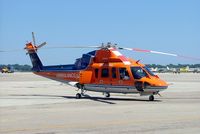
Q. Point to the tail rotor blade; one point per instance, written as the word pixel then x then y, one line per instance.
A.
pixel 33 36
pixel 41 45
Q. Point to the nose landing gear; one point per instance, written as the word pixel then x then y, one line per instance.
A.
pixel 78 96
pixel 151 98
pixel 107 95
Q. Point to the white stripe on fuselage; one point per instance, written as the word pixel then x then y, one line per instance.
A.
pixel 117 53
pixel 119 89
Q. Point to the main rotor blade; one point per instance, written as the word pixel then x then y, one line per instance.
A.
pixel 158 52
pixel 74 47
pixel 13 50
pixel 33 36
pixel 51 47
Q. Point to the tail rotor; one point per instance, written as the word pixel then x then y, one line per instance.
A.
pixel 33 47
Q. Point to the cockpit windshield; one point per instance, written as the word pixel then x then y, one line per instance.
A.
pixel 138 72
pixel 149 71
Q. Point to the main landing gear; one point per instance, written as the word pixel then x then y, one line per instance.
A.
pixel 151 98
pixel 79 95
pixel 81 87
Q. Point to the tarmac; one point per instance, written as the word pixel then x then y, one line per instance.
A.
pixel 30 104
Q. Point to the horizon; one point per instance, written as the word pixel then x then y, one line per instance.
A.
pixel 167 26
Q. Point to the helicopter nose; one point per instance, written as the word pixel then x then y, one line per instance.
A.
pixel 160 84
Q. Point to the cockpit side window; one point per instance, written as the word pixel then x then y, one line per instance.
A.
pixel 149 71
pixel 138 72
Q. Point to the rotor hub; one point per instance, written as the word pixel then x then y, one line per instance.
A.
pixel 108 46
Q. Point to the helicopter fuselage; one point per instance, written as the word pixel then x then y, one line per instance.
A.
pixel 106 70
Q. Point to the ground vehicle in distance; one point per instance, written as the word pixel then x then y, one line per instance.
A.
pixel 6 69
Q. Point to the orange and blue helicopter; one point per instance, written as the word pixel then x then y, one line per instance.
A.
pixel 103 70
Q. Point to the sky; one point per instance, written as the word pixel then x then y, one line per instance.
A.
pixel 168 25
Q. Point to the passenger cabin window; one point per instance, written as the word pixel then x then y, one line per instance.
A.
pixel 124 74
pixel 114 74
pixel 105 72
pixel 96 73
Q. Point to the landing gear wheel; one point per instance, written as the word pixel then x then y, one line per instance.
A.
pixel 78 96
pixel 151 98
pixel 107 95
